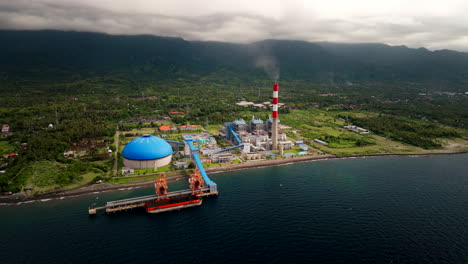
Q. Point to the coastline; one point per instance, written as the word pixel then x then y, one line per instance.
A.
pixel 98 188
pixel 273 163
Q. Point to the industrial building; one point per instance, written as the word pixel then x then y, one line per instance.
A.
pixel 253 138
pixel 303 147
pixel 256 136
pixel 205 142
pixel 147 152
pixel 320 142
pixel 256 124
pixel 357 129
pixel 225 157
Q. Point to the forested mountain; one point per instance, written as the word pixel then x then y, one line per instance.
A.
pixel 74 55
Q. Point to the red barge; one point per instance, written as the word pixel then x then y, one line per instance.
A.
pixel 181 202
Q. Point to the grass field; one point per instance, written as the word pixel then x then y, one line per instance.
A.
pixel 168 167
pixel 294 150
pixel 213 129
pixel 42 175
pixel 312 124
pixel 320 124
pixel 386 146
pixel 86 178
pixel 140 131
pixel 5 147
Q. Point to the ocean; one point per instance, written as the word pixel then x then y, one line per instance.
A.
pixel 400 209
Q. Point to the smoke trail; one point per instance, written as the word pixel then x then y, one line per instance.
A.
pixel 270 65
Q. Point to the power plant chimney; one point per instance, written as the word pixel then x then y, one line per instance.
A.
pixel 274 123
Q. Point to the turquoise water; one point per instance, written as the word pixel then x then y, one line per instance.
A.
pixel 366 210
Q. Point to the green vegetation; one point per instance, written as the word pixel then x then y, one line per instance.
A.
pixel 347 141
pixel 327 126
pixel 168 167
pixel 123 180
pixel 46 147
pixel 46 173
pixel 5 147
pixel 319 124
pixel 415 133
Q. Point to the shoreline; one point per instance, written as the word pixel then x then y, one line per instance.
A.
pixel 94 188
pixel 273 163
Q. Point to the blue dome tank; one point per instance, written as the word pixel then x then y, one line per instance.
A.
pixel 147 147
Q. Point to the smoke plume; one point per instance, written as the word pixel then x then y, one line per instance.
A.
pixel 270 65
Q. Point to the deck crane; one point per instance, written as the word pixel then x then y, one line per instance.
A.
pixel 160 185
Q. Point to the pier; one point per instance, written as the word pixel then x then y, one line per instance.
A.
pixel 142 201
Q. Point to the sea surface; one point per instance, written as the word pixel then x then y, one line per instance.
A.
pixel 363 210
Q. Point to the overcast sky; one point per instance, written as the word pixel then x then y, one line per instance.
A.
pixel 414 23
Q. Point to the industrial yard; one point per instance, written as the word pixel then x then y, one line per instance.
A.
pixel 255 140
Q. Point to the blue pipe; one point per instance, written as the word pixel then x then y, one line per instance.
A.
pixel 202 170
pixel 234 134
pixel 229 148
pixel 195 156
pixel 192 147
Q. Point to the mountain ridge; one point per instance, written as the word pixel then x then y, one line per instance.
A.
pixel 53 54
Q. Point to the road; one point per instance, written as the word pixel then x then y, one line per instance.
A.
pixel 116 152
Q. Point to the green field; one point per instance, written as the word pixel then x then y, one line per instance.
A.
pixel 168 167
pixel 140 131
pixel 320 124
pixel 207 165
pixel 324 125
pixel 5 147
pixel 123 180
pixel 46 176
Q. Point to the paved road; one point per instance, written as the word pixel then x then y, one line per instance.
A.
pixel 116 152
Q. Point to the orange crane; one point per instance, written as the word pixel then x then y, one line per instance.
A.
pixel 196 182
pixel 160 185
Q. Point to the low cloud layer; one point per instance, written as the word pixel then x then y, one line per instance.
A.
pixel 417 23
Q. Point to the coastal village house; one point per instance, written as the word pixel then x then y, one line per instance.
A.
pixel 188 127
pixel 164 128
pixel 6 131
pixel 167 128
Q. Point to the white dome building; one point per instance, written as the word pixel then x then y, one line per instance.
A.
pixel 147 152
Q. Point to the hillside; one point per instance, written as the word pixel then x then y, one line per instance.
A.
pixel 59 55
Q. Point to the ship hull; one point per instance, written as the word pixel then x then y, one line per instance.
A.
pixel 155 208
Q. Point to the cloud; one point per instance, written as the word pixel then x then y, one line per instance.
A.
pixel 432 24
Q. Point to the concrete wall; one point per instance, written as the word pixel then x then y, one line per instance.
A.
pixel 147 164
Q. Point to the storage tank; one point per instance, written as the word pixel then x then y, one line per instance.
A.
pixel 147 152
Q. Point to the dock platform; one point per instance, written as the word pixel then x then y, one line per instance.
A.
pixel 142 201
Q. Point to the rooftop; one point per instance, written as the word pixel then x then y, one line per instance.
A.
pixel 164 128
pixel 147 147
pixel 239 122
pixel 256 121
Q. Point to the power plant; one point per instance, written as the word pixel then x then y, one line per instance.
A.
pixel 256 136
pixel 254 139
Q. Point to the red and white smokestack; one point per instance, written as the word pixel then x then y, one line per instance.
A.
pixel 275 100
pixel 274 124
